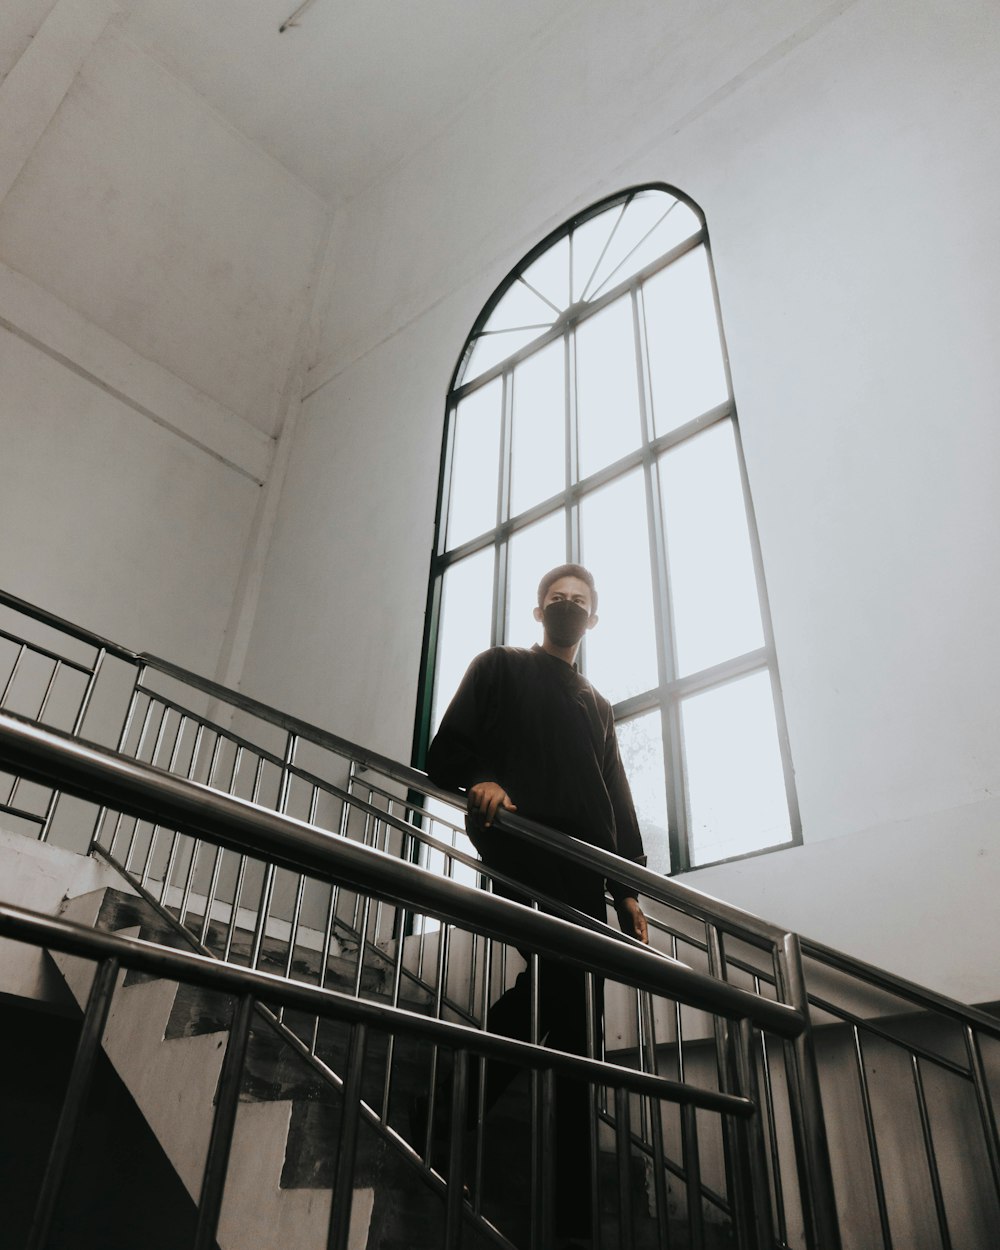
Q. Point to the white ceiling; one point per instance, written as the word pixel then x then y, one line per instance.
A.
pixel 350 90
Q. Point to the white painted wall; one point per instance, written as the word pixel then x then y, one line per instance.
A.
pixel 155 271
pixel 845 157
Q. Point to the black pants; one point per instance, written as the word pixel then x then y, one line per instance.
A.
pixel 562 1023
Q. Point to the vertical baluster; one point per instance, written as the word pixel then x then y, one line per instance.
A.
pixel 223 1123
pixel 175 839
pixel 213 883
pixel 196 843
pixel 873 1151
pixel 931 1153
pixel 343 1185
pixel 293 934
pixel 772 1133
pixel 241 867
pixel 656 1126
pixel 13 674
pixel 267 887
pixel 151 849
pixel 3 700
pixel 331 916
pixel 88 692
pixel 477 1187
pixel 594 1051
pixel 690 1150
pixel 390 1051
pixel 441 963
pixel 692 1175
pixel 819 1203
pixel 43 707
pixel 122 741
pixel 386 832
pixel 737 1160
pixel 362 939
pixel 623 1155
pixel 50 803
pixel 752 1134
pixel 367 839
pixel 88 1047
pixel 56 666
pixel 456 1142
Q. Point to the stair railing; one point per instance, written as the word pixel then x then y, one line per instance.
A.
pixel 245 908
pixel 42 756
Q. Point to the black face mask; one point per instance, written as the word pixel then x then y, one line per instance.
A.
pixel 565 622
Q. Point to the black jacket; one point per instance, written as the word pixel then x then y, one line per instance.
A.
pixel 530 722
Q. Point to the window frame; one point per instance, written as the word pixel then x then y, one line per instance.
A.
pixel 670 689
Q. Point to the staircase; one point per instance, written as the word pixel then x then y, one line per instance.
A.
pixel 335 890
pixel 284 1147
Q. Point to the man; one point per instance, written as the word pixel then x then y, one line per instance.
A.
pixel 527 733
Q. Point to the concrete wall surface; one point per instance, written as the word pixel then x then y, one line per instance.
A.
pixel 155 271
pixel 845 159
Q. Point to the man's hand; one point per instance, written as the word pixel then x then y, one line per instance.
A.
pixel 486 798
pixel 631 919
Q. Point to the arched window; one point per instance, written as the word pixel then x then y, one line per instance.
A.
pixel 591 418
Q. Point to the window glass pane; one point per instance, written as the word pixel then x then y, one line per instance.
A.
pixel 549 275
pixel 491 348
pixel 520 307
pixel 714 589
pixel 735 788
pixel 621 649
pixel 640 742
pixel 475 475
pixel 589 241
pixel 652 225
pixel 464 629
pixel 538 467
pixel 607 389
pixel 685 354
pixel 531 552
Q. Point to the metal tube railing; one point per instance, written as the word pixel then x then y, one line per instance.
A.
pixel 94 773
pixel 305 850
pixel 57 934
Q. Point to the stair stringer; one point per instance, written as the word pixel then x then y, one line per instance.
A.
pixel 174 1081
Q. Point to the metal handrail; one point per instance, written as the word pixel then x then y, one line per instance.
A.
pixel 95 773
pixel 55 933
pixel 686 898
pixel 702 906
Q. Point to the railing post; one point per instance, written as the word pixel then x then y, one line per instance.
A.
pixel 735 1142
pixel 812 1151
pixel 220 1143
pixel 88 1048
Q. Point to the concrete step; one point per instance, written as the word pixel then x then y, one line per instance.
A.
pixel 167 1042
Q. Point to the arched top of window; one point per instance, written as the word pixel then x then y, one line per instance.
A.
pixel 577 267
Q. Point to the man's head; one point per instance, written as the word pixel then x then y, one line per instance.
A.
pixel 562 571
pixel 567 604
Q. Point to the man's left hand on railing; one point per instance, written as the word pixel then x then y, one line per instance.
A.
pixel 632 920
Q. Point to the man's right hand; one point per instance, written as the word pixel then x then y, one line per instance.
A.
pixel 486 798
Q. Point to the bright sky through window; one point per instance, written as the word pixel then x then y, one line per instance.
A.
pixel 591 419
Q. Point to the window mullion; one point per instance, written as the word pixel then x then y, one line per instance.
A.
pixel 499 623
pixel 666 660
pixel 572 448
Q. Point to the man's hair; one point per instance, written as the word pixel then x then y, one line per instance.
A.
pixel 568 570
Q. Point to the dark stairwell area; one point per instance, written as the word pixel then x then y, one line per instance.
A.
pixel 121 1192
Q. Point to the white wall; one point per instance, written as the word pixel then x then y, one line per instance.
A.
pixel 155 271
pixel 845 157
